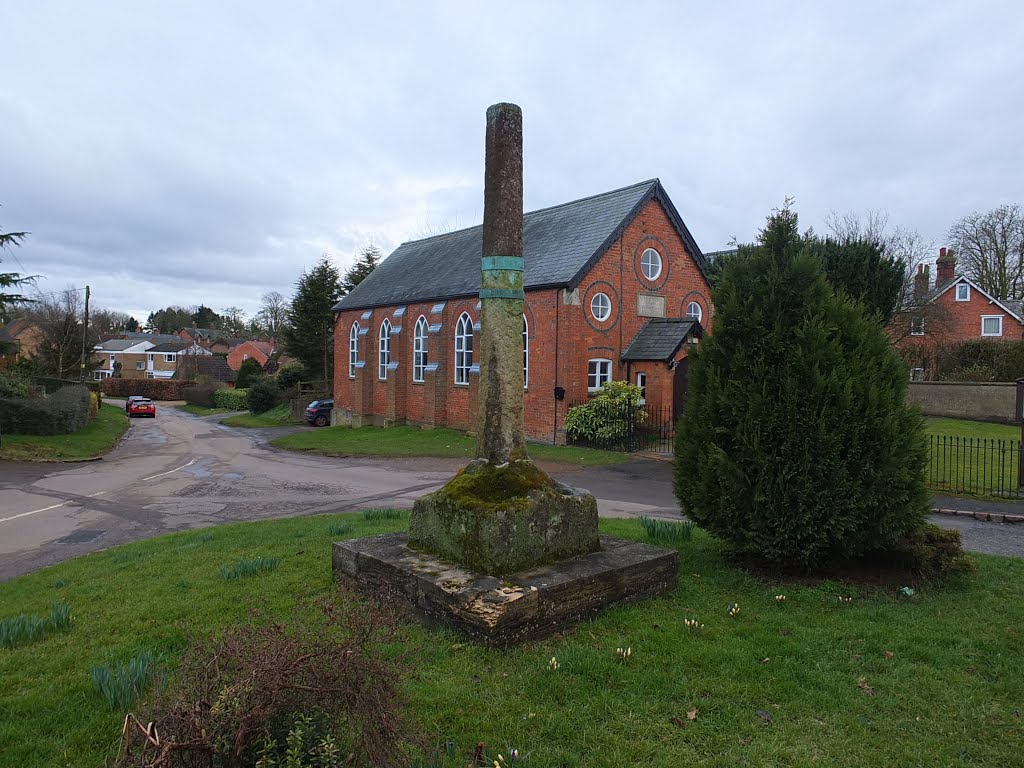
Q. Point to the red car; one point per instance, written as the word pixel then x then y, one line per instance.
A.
pixel 141 407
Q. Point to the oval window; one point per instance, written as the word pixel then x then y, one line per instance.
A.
pixel 601 307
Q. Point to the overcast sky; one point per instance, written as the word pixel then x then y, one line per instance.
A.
pixel 208 152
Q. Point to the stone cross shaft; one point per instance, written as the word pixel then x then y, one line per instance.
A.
pixel 501 433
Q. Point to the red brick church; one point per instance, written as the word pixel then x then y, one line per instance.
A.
pixel 615 290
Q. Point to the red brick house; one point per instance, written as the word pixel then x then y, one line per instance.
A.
pixel 258 350
pixel 615 289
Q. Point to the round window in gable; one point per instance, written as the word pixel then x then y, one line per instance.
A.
pixel 601 307
pixel 650 264
pixel 694 312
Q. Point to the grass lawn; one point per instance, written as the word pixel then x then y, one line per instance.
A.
pixel 201 410
pixel 932 679
pixel 413 441
pixel 94 439
pixel 275 417
pixel 974 458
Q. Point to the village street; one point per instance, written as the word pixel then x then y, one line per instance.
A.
pixel 179 471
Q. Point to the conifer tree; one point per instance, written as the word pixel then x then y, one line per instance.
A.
pixel 796 443
pixel 309 335
pixel 368 260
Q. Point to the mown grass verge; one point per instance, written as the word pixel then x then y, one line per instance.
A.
pixel 278 416
pixel 95 439
pixel 974 459
pixel 413 441
pixel 882 679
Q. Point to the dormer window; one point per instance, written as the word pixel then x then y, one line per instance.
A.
pixel 963 292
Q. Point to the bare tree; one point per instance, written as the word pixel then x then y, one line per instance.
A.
pixel 273 313
pixel 990 249
pixel 59 317
pixel 233 319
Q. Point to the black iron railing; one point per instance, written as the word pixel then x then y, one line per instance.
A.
pixel 975 466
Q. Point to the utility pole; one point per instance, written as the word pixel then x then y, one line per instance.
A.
pixel 85 337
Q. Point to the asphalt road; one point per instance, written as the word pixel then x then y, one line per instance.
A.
pixel 178 471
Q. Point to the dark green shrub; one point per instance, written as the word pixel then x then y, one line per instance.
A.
pixel 263 395
pixel 981 360
pixel 63 412
pixel 933 553
pixel 202 393
pixel 232 399
pixel 248 373
pixel 290 375
pixel 154 389
pixel 796 444
pixel 13 384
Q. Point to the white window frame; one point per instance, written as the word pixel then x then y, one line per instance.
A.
pixel 917 326
pixel 419 350
pixel 353 349
pixel 113 359
pixel 606 305
pixel 140 365
pixel 646 263
pixel 526 353
pixel 691 315
pixel 463 348
pixel 967 292
pixel 992 317
pixel 641 381
pixel 384 350
pixel 169 358
pixel 599 371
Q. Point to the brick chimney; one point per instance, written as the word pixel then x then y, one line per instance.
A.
pixel 921 281
pixel 945 266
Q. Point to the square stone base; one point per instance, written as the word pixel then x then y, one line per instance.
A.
pixel 522 606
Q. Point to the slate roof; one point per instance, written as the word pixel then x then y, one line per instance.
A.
pixel 156 338
pixel 118 345
pixel 560 244
pixel 10 332
pixel 171 346
pixel 661 338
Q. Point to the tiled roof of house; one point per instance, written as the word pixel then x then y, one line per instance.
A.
pixel 559 245
pixel 172 346
pixel 263 346
pixel 156 338
pixel 10 332
pixel 214 366
pixel 660 339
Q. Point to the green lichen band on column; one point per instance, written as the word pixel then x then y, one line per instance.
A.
pixel 501 293
pixel 501 263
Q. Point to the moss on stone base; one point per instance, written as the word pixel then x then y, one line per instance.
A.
pixel 500 519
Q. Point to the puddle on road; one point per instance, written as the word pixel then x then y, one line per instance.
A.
pixel 82 536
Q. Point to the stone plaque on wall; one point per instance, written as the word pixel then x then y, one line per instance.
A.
pixel 650 306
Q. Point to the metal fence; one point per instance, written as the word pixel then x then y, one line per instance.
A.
pixel 975 466
pixel 632 428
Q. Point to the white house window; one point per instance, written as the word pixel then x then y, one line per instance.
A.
pixel 601 307
pixel 112 359
pixel 140 366
pixel 694 312
pixel 419 349
pixel 169 358
pixel 963 292
pixel 650 264
pixel 384 351
pixel 244 358
pixel 463 349
pixel 917 326
pixel 641 381
pixel 353 350
pixel 526 353
pixel 599 371
pixel 992 325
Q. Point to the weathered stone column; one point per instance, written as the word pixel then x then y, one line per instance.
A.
pixel 501 438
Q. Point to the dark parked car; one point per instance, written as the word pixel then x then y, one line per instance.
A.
pixel 318 412
pixel 140 406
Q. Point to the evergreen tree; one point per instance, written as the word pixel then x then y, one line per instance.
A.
pixel 9 280
pixel 309 333
pixel 865 272
pixel 249 372
pixel 796 443
pixel 368 260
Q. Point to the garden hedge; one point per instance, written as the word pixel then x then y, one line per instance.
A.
pixel 154 389
pixel 65 411
pixel 233 399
